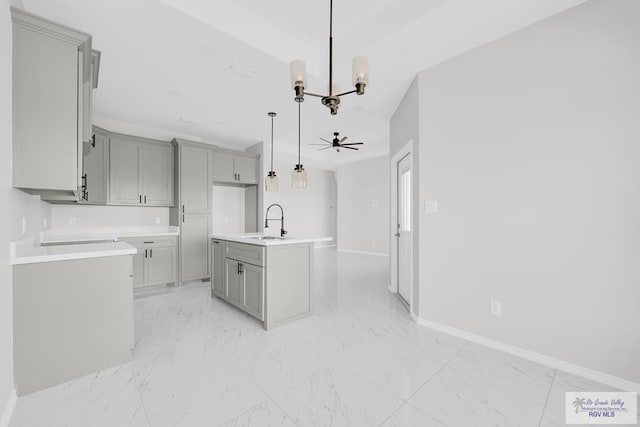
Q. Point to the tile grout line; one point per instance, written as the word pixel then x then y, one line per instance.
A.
pixel 544 409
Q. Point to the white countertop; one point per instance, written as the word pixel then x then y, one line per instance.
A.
pixel 25 252
pixel 248 238
pixel 102 234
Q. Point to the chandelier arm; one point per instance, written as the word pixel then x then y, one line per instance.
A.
pixel 314 94
pixel 331 48
pixel 347 93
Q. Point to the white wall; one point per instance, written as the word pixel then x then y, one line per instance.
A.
pixel 363 206
pixel 228 209
pixel 308 212
pixel 14 206
pixel 531 146
pixel 98 216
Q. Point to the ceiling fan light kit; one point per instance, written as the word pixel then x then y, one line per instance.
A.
pixel 360 76
pixel 271 181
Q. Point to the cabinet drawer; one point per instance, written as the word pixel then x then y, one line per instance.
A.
pixel 150 242
pixel 245 253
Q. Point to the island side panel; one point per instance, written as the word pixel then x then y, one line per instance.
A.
pixel 71 318
pixel 289 284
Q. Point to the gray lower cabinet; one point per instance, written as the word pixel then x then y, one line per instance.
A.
pixel 156 262
pixel 217 268
pixel 194 247
pixel 244 286
pixel 66 326
pixel 140 172
pixel 273 283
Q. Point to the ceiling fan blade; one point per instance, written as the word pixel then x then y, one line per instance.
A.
pixel 325 140
pixel 324 145
pixel 353 143
pixel 350 148
pixel 325 148
pixel 343 139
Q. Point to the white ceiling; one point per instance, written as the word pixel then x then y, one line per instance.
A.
pixel 165 63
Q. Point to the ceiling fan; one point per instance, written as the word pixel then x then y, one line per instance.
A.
pixel 338 143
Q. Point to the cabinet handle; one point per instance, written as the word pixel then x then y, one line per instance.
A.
pixel 216 242
pixel 240 268
pixel 150 253
pixel 147 243
pixel 182 208
pixel 145 253
pixel 93 140
pixel 145 198
pixel 182 217
pixel 140 199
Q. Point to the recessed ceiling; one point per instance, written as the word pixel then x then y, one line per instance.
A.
pixel 211 70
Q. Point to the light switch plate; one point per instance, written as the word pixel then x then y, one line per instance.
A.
pixel 157 220
pixel 496 307
pixel 72 220
pixel 430 206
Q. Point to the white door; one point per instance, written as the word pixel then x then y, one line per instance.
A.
pixel 404 228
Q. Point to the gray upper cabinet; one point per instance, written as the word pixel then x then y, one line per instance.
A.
pixel 124 172
pixel 94 177
pixel 195 182
pixel 140 172
pixel 234 168
pixel 157 174
pixel 51 119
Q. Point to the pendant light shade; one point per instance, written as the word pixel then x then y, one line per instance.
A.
pixel 299 175
pixel 271 183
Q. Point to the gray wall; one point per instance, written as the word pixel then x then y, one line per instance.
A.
pixel 14 205
pixel 363 206
pixel 531 145
pixel 405 127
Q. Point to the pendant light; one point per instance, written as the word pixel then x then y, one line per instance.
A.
pixel 271 180
pixel 299 175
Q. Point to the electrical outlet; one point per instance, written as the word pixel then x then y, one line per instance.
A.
pixel 496 307
pixel 72 220
pixel 24 225
pixel 44 224
pixel 431 206
pixel 157 220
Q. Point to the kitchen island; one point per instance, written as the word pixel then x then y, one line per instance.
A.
pixel 269 277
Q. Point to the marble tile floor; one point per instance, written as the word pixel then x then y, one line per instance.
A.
pixel 358 361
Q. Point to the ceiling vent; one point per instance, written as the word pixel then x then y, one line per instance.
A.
pixel 241 71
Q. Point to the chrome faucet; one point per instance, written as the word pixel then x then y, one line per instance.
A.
pixel 267 219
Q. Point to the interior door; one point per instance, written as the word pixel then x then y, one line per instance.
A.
pixel 403 234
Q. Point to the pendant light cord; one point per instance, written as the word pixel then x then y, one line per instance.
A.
pixel 331 48
pixel 299 132
pixel 271 143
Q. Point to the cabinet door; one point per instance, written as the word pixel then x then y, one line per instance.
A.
pixel 233 285
pixel 246 170
pixel 138 269
pixel 45 110
pixel 194 247
pixel 223 169
pixel 252 278
pixel 124 172
pixel 195 185
pixel 157 174
pixel 161 265
pixel 95 170
pixel 217 268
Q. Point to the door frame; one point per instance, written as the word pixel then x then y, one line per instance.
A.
pixel 406 150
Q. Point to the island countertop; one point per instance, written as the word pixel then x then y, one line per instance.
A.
pixel 28 253
pixel 261 239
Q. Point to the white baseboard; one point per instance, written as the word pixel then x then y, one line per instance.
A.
pixel 325 246
pixel 8 409
pixel 362 252
pixel 552 362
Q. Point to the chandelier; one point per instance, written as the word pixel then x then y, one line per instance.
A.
pixel 360 75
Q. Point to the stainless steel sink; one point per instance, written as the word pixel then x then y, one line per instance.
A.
pixel 267 238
